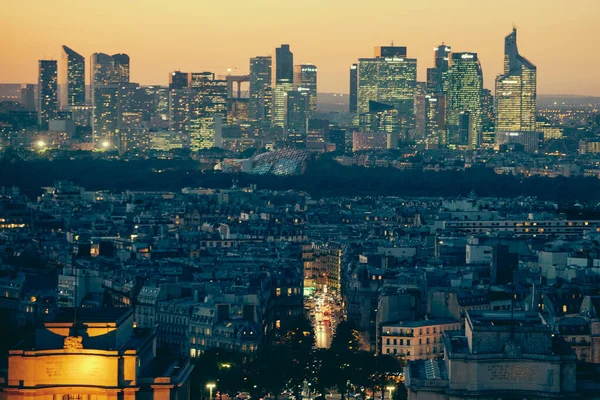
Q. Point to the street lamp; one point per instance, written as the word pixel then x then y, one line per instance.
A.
pixel 210 387
pixel 390 389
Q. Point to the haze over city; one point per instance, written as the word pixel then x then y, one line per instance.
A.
pixel 163 36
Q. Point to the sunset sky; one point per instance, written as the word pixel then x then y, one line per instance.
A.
pixel 160 36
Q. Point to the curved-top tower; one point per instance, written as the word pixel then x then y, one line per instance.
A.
pixel 516 91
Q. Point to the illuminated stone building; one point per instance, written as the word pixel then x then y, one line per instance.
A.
pixel 415 340
pixel 94 354
pixel 499 355
pixel 463 101
pixel 516 91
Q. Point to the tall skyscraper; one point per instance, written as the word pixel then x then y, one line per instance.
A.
pixel 260 83
pixel 109 78
pixel 298 111
pixel 488 117
pixel 280 94
pixel 516 91
pixel 305 79
pixel 72 79
pixel 121 67
pixel 283 65
pixel 47 92
pixel 436 76
pixel 102 70
pixel 353 88
pixel 465 82
pixel 390 79
pixel 105 115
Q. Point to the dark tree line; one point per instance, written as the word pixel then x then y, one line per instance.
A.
pixel 323 177
pixel 291 364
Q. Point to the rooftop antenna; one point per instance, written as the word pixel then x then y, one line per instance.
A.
pixel 392 42
pixel 514 26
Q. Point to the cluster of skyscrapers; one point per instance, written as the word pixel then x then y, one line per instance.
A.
pixel 196 107
pixel 452 108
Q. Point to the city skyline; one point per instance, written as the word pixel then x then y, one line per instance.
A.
pixel 544 27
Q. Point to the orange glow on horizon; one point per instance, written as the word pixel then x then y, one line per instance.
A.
pixel 189 35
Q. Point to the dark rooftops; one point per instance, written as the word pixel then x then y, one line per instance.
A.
pixel 92 315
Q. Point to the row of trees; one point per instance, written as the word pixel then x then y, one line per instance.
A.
pixel 291 365
pixel 323 177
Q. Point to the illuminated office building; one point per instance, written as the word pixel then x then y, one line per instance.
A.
pixel 196 80
pixel 488 117
pixel 212 95
pixel 516 91
pixel 353 88
pixel 381 117
pixel 260 83
pixel 305 79
pixel 435 120
pixel 437 76
pixel 180 109
pixel 47 92
pixel 105 116
pixel 280 93
pixel 121 67
pixel 107 73
pixel 391 80
pixel 465 82
pixel 205 132
pixel 283 65
pixel 102 71
pixel 298 111
pixel 72 79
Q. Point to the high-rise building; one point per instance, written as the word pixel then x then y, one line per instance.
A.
pixel 436 76
pixel 260 83
pixel 488 117
pixel 516 91
pixel 353 88
pixel 72 79
pixel 381 117
pixel 283 64
pixel 197 79
pixel 178 80
pixel 391 80
pixel 47 92
pixel 298 111
pixel 305 79
pixel 121 67
pixel 102 70
pixel 280 93
pixel 28 96
pixel 465 82
pixel 180 109
pixel 105 117
pixel 205 132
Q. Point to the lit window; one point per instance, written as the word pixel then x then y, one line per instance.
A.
pixel 278 292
